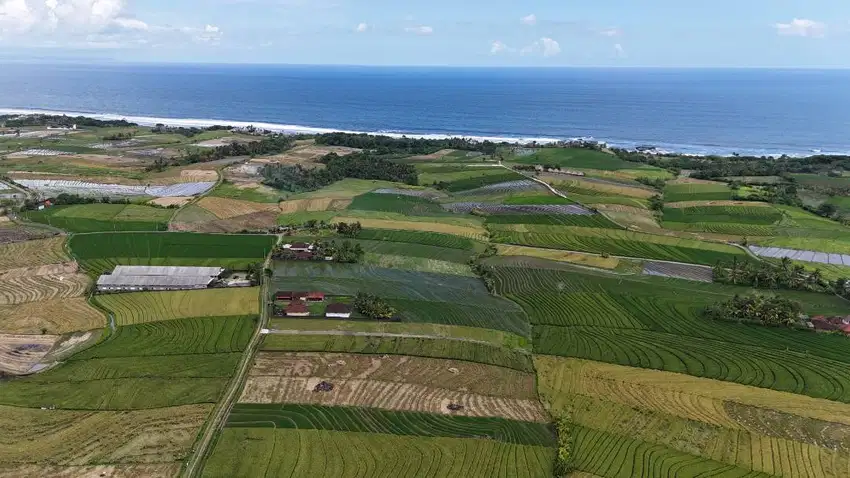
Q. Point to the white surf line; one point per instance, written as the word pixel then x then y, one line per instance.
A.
pixel 379 334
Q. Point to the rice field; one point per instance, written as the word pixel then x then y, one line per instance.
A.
pixel 419 264
pixel 396 203
pixel 313 205
pixel 554 218
pixel 418 237
pixel 507 187
pixel 33 253
pixel 55 316
pixel 481 178
pixel 508 319
pixel 103 217
pixel 476 233
pixel 22 290
pixel 697 191
pixel 224 208
pixel 577 158
pixel 353 419
pixel 595 187
pixel 616 243
pixel 142 307
pixel 578 258
pixel 431 348
pixel 257 452
pixel 413 250
pixel 77 438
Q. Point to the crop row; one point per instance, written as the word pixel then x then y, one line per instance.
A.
pixel 21 290
pixel 697 192
pixel 398 203
pixel 371 420
pixel 370 455
pixel 200 335
pixel 141 307
pixel 475 183
pixel 749 365
pixel 415 250
pixel 32 253
pixel 575 220
pixel 170 245
pixel 615 456
pixel 506 187
pixel 509 319
pixel 418 237
pixel 417 347
pixel 104 217
pixel 757 215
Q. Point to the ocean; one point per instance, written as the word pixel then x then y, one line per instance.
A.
pixel 696 111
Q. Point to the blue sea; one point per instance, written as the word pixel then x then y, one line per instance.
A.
pixel 699 111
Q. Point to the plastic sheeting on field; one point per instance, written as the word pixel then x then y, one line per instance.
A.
pixel 83 188
pixel 798 255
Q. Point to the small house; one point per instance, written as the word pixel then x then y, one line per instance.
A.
pixel 315 297
pixel 339 311
pixel 283 295
pixel 297 309
pixel 303 256
pixel 300 247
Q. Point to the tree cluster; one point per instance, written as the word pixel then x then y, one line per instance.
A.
pixel 268 145
pixel 388 145
pixel 16 121
pixel 767 276
pixel 373 307
pixel 361 166
pixel 65 199
pixel 160 128
pixel 773 310
pixel 655 183
pixel 343 252
pixel 348 230
pixel 119 136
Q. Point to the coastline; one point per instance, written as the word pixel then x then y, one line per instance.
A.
pixel 661 147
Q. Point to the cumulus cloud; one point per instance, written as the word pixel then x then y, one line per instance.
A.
pixel 801 27
pixel 131 24
pixel 499 47
pixel 24 16
pixel 420 30
pixel 610 32
pixel 621 52
pixel 361 28
pixel 529 20
pixel 550 47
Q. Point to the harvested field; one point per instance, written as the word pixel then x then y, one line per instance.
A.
pixel 198 175
pixel 64 437
pixel 388 396
pixel 312 205
pixel 17 233
pixel 448 374
pixel 679 271
pixel 229 208
pixel 259 221
pixel 32 253
pixel 374 420
pixel 167 470
pixel 56 316
pixel 433 156
pixel 21 290
pixel 142 307
pixel 287 452
pixel 590 260
pixel 178 201
pixel 20 353
pixel 60 269
pixel 477 233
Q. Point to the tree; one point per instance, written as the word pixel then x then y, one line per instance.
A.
pixel 373 307
pixel 656 203
pixel 827 210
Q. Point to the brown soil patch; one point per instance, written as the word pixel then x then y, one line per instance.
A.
pixel 61 269
pixel 306 155
pixel 21 290
pixel 434 156
pixel 311 205
pixel 199 175
pixel 16 233
pixel 684 204
pixel 98 471
pixel 214 143
pixel 250 222
pixel 624 209
pixel 56 316
pixel 388 396
pixel 465 231
pixel 448 374
pixel 230 208
pixel 178 201
pixel 20 353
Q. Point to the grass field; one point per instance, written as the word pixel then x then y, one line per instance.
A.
pixel 773 432
pixel 102 252
pixel 32 253
pixel 141 307
pixel 401 204
pixel 103 217
pixel 617 243
pixel 352 419
pixel 433 348
pixel 77 438
pixel 259 452
pixel 260 194
pixel 698 191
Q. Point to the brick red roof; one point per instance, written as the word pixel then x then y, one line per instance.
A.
pixel 297 308
pixel 315 295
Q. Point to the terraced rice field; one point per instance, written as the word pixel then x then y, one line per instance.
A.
pixel 577 158
pixel 142 307
pixel 468 231
pixel 350 419
pixel 507 187
pixel 772 432
pixel 508 319
pixel 616 243
pixel 696 191
pixel 77 438
pixel 227 208
pixel 56 316
pixel 32 253
pixel 413 251
pixel 103 217
pixel 418 237
pixel 452 375
pixel 201 335
pixel 400 204
pixel 482 178
pixel 21 290
pixel 596 187
pixel 516 210
pixel 102 252
pixel 678 271
pixel 417 347
pixel 251 452
pixel 419 264
pixel 418 193
pixel 577 258
pixel 556 219
pixel 738 220
pixel 93 471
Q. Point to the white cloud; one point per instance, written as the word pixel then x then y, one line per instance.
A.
pixel 498 47
pixel 621 52
pixel 420 30
pixel 361 28
pixel 46 16
pixel 550 47
pixel 801 27
pixel 529 19
pixel 210 34
pixel 611 32
pixel 131 24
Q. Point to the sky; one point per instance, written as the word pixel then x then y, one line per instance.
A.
pixel 607 33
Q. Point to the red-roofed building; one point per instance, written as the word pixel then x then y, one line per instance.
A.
pixel 297 309
pixel 300 247
pixel 315 297
pixel 283 295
